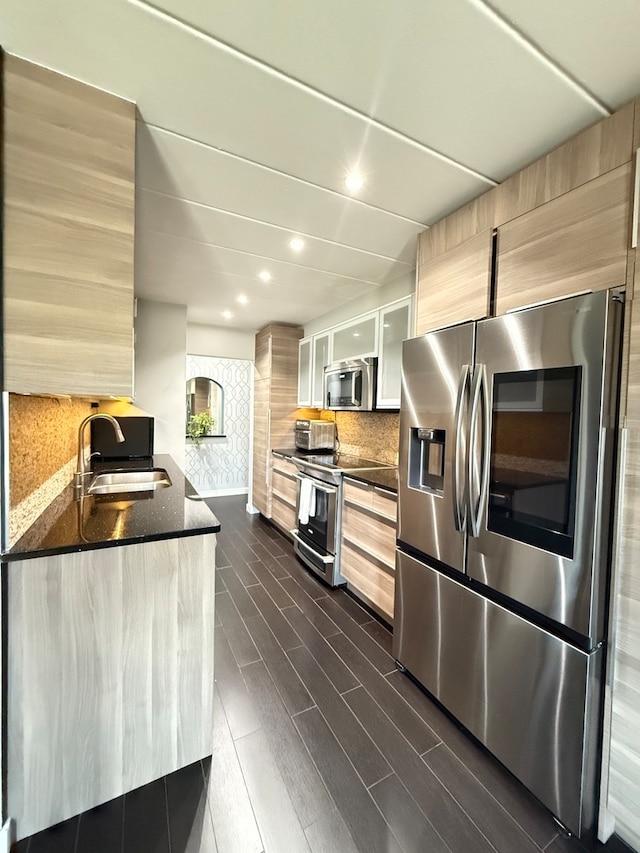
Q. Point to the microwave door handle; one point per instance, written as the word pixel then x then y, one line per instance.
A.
pixel 459 503
pixel 477 491
pixel 354 402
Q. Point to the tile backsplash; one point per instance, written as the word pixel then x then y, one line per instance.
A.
pixel 43 435
pixel 372 435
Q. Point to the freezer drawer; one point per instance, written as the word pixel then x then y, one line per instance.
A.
pixel 531 698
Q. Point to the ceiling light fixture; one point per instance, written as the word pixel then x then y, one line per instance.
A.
pixel 264 275
pixel 296 244
pixel 242 299
pixel 227 315
pixel 356 334
pixel 354 182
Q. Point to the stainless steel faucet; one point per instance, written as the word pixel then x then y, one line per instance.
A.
pixel 82 472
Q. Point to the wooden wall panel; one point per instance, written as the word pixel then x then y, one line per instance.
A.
pixel 455 287
pixel 110 680
pixel 575 243
pixel 68 235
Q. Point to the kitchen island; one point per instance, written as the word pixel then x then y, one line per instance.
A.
pixel 110 617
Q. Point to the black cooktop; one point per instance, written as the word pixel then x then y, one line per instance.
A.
pixel 343 461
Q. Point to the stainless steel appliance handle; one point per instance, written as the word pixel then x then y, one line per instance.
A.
pixel 328 490
pixel 459 507
pixel 322 557
pixel 354 402
pixel 477 492
pixel 313 466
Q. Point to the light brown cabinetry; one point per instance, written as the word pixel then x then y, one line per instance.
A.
pixel 576 242
pixel 68 154
pixel 367 555
pixel 455 287
pixel 275 395
pixel 110 673
pixel 284 489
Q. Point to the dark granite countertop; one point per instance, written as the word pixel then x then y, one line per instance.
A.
pixel 105 521
pixel 385 476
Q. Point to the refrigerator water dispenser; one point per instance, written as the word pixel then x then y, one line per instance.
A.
pixel 426 459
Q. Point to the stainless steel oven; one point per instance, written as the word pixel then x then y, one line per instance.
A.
pixel 317 534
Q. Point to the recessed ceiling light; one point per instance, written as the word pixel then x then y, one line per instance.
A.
pixel 296 244
pixel 242 299
pixel 354 182
pixel 264 275
pixel 227 315
pixel 386 325
pixel 356 334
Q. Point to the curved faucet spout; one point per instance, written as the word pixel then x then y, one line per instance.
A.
pixel 82 465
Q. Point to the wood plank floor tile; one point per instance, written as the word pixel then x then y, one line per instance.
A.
pixel 277 821
pixel 329 834
pixel 309 606
pixel 280 596
pixel 449 820
pixel 293 692
pixel 307 791
pixel 101 829
pixel 233 819
pixel 281 628
pixel 412 829
pixel 374 653
pixel 339 675
pixel 232 689
pixel 485 811
pixel 309 582
pixel 350 606
pixel 60 838
pixel 355 741
pixel 146 820
pixel 380 634
pixel 190 823
pixel 242 646
pixel 413 728
pixel 238 592
pixel 370 832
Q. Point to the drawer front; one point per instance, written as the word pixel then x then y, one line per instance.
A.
pixel 284 487
pixel 376 585
pixel 283 515
pixel 284 466
pixel 358 493
pixel 372 533
pixel 385 503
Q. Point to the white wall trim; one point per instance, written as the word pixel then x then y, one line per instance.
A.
pixel 218 493
pixel 7 836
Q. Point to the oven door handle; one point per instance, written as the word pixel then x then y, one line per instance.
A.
pixel 322 557
pixel 328 490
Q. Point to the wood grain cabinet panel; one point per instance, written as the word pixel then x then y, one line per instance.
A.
pixel 283 514
pixel 575 243
pixel 110 673
pixel 368 544
pixel 455 287
pixel 69 152
pixel 275 396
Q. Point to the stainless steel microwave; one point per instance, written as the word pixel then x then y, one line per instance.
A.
pixel 350 386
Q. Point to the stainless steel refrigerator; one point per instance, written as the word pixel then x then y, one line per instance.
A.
pixel 507 442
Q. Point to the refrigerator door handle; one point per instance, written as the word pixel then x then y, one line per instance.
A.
pixel 477 492
pixel 459 498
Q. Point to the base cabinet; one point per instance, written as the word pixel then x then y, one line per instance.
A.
pixel 110 673
pixel 284 489
pixel 368 544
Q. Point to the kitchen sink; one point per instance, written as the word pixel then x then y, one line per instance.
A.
pixel 131 480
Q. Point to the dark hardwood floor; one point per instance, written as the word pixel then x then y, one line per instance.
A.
pixel 319 744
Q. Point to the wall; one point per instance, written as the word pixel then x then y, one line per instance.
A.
pixel 43 446
pixel 379 296
pixel 221 465
pixel 217 341
pixel 161 342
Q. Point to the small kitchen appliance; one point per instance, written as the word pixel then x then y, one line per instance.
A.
pixel 350 386
pixel 315 434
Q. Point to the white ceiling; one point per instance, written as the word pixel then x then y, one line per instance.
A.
pixel 252 111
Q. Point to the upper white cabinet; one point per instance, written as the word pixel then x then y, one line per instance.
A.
pixel 395 327
pixel 69 186
pixel 305 363
pixel 321 358
pixel 356 339
pixel 377 334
